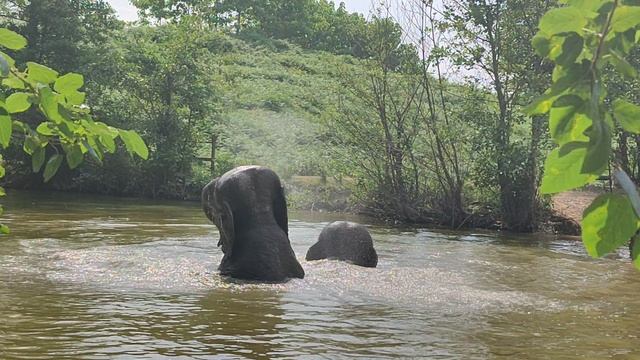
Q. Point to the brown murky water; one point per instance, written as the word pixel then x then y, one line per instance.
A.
pixel 100 278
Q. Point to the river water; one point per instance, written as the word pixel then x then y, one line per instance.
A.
pixel 103 278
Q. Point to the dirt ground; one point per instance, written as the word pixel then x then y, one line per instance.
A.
pixel 571 204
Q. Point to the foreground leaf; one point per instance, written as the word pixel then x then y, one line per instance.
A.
pixel 18 102
pixel 628 115
pixel 635 252
pixel 74 156
pixel 11 39
pixel 134 143
pixel 6 129
pixel 608 223
pixel 52 166
pixel 568 121
pixel 563 169
pixel 69 83
pixel 625 18
pixel 49 105
pixel 40 73
pixel 37 159
pixel 599 151
pixel 562 20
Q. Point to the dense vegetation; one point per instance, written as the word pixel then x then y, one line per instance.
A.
pixel 419 113
pixel 58 127
pixel 581 113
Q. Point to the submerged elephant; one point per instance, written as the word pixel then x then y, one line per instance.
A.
pixel 248 207
pixel 347 241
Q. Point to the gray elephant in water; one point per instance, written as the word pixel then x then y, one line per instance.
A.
pixel 347 241
pixel 248 207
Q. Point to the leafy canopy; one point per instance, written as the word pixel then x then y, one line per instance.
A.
pixel 67 132
pixel 584 38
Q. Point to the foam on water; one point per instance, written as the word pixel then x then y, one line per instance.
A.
pixel 189 265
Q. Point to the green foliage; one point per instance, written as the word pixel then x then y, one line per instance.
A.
pixel 608 223
pixel 314 24
pixel 492 38
pixel 66 124
pixel 628 115
pixel 12 40
pixel 594 35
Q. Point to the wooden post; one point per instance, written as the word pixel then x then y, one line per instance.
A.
pixel 214 144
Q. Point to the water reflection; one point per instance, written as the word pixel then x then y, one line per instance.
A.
pixel 243 323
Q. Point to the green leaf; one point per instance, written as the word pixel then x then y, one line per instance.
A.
pixel 541 44
pixel 52 166
pixel 8 58
pixel 108 143
pixel 46 129
pixel 567 121
pixel 562 20
pixel 134 143
pixel 563 169
pixel 541 105
pixel 622 65
pixel 37 159
pixel 18 102
pixel 74 156
pixel 92 146
pixel 13 82
pixel 6 129
pixel 568 76
pixel 599 150
pixel 627 115
pixel 40 73
pixel 11 39
pixel 76 98
pixel 590 5
pixel 635 252
pixel 4 229
pixel 31 145
pixel 625 18
pixel 571 49
pixel 608 223
pixel 49 105
pixel 69 83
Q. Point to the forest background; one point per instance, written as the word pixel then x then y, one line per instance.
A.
pixel 413 114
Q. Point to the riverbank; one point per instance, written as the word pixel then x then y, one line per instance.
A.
pixel 312 193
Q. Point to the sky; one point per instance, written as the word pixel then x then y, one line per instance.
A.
pixel 127 12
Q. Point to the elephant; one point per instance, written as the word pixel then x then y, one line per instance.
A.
pixel 347 241
pixel 248 207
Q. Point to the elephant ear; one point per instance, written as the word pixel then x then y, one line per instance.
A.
pixel 227 229
pixel 280 210
pixel 207 199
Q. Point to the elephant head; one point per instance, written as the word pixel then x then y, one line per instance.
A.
pixel 346 241
pixel 219 213
pixel 248 207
